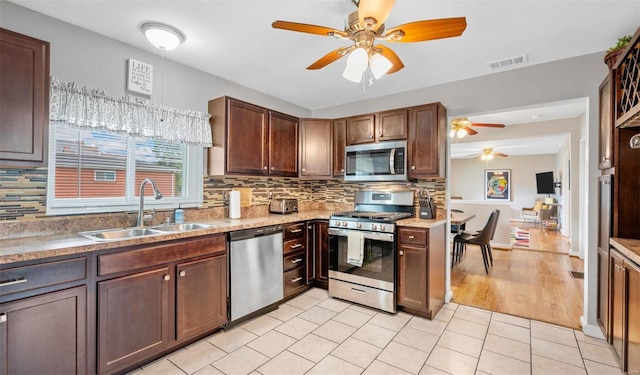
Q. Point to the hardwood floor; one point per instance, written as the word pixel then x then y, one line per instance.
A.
pixel 544 239
pixel 534 283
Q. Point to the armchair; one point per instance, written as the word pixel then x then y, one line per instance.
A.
pixel 531 213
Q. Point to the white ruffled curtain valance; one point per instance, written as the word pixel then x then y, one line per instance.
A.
pixel 82 108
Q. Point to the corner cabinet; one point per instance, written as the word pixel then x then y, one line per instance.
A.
pixel 153 298
pixel 24 100
pixel 318 253
pixel 421 270
pixel 251 140
pixel 427 125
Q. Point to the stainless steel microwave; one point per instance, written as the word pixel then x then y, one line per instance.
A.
pixel 382 161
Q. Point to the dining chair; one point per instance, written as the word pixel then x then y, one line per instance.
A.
pixel 482 238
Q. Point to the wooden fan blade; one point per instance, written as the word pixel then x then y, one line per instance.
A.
pixel 428 30
pixel 470 131
pixel 486 125
pixel 500 154
pixel 306 28
pixel 329 58
pixel 392 57
pixel 376 9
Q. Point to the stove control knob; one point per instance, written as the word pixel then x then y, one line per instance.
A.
pixel 344 223
pixel 358 225
pixel 382 227
pixel 374 226
pixel 337 223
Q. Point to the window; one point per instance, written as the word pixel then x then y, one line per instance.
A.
pixel 95 171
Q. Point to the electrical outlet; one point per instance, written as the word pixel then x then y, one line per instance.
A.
pixel 270 195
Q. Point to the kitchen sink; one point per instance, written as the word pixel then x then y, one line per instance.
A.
pixel 181 227
pixel 119 234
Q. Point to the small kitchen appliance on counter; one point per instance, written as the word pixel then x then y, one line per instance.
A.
pixel 283 206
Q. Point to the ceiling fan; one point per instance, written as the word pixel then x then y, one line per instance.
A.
pixel 488 154
pixel 364 27
pixel 462 126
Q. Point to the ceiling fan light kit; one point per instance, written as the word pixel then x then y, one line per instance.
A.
pixel 366 25
pixel 462 127
pixel 161 36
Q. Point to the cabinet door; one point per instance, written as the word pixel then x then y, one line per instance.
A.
pixel 283 145
pixel 310 255
pixel 412 277
pixel 632 339
pixel 605 150
pixel 339 143
pixel 24 100
pixel 315 148
pixel 247 147
pixel 616 292
pixel 201 296
pixel 360 129
pixel 133 318
pixel 426 141
pixel 45 334
pixel 391 125
pixel 603 292
pixel 322 254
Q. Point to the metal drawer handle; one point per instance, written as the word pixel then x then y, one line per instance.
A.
pixel 296 246
pixel 296 280
pixel 401 252
pixel 3 318
pixel 183 273
pixel 359 291
pixel 295 230
pixel 297 260
pixel 13 282
pixel 411 237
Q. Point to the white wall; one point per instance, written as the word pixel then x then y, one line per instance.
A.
pixel 467 178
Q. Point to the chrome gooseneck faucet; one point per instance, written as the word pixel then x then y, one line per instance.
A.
pixel 157 193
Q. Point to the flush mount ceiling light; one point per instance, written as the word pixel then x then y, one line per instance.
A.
pixel 162 36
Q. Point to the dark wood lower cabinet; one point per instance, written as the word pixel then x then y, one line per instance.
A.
pixel 133 318
pixel 318 253
pixel 632 338
pixel 603 292
pixel 45 334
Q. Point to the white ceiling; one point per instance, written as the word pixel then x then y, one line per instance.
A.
pixel 541 145
pixel 233 39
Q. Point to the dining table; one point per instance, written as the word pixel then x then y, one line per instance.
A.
pixel 459 218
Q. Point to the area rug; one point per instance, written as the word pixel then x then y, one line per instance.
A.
pixel 520 237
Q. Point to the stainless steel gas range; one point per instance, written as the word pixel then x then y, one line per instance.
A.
pixel 362 248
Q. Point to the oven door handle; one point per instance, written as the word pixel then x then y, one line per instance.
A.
pixel 386 237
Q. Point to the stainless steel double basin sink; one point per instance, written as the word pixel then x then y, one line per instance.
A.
pixel 138 232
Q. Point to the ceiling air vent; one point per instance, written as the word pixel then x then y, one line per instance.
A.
pixel 508 62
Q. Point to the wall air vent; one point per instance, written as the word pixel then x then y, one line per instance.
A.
pixel 508 62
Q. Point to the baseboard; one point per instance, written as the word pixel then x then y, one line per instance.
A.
pixel 573 253
pixel 592 330
pixel 448 297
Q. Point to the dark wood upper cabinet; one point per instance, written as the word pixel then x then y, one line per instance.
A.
pixel 24 100
pixel 383 126
pixel 283 145
pixel 339 143
pixel 315 148
pixel 605 149
pixel 426 141
pixel 251 140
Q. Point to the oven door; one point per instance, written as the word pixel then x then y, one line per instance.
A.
pixel 378 261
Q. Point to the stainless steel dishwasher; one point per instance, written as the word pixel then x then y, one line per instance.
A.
pixel 255 262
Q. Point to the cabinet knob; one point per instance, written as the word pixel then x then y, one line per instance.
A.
pixel 304 169
pixel 413 167
pixel 342 170
pixel 3 318
pixel 183 273
pixel 401 252
pixel 272 168
pixel 265 168
pixel 167 277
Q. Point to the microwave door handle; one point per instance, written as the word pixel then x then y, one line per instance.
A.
pixel 392 162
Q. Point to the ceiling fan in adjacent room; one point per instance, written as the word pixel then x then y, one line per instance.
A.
pixel 461 127
pixel 488 153
pixel 364 27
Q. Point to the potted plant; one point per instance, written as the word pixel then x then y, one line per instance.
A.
pixel 613 53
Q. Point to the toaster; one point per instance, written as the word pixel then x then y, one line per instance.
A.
pixel 283 206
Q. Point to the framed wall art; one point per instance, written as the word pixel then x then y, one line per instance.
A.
pixel 497 184
pixel 139 77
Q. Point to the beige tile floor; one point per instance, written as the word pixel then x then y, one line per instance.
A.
pixel 315 334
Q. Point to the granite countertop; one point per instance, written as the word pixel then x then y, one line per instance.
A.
pixel 52 245
pixel 628 247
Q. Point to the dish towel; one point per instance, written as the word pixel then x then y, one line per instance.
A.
pixel 355 248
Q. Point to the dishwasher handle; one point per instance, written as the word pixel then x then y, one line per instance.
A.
pixel 254 232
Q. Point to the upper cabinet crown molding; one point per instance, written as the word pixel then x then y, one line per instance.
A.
pixel 24 100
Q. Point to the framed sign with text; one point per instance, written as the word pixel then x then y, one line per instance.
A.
pixel 497 184
pixel 139 77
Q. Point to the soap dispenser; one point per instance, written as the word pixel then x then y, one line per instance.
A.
pixel 178 215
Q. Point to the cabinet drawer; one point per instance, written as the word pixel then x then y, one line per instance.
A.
pixel 293 245
pixel 412 236
pixel 294 231
pixel 20 279
pixel 293 280
pixel 294 261
pixel 160 254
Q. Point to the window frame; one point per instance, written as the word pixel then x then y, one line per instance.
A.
pixel 192 190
